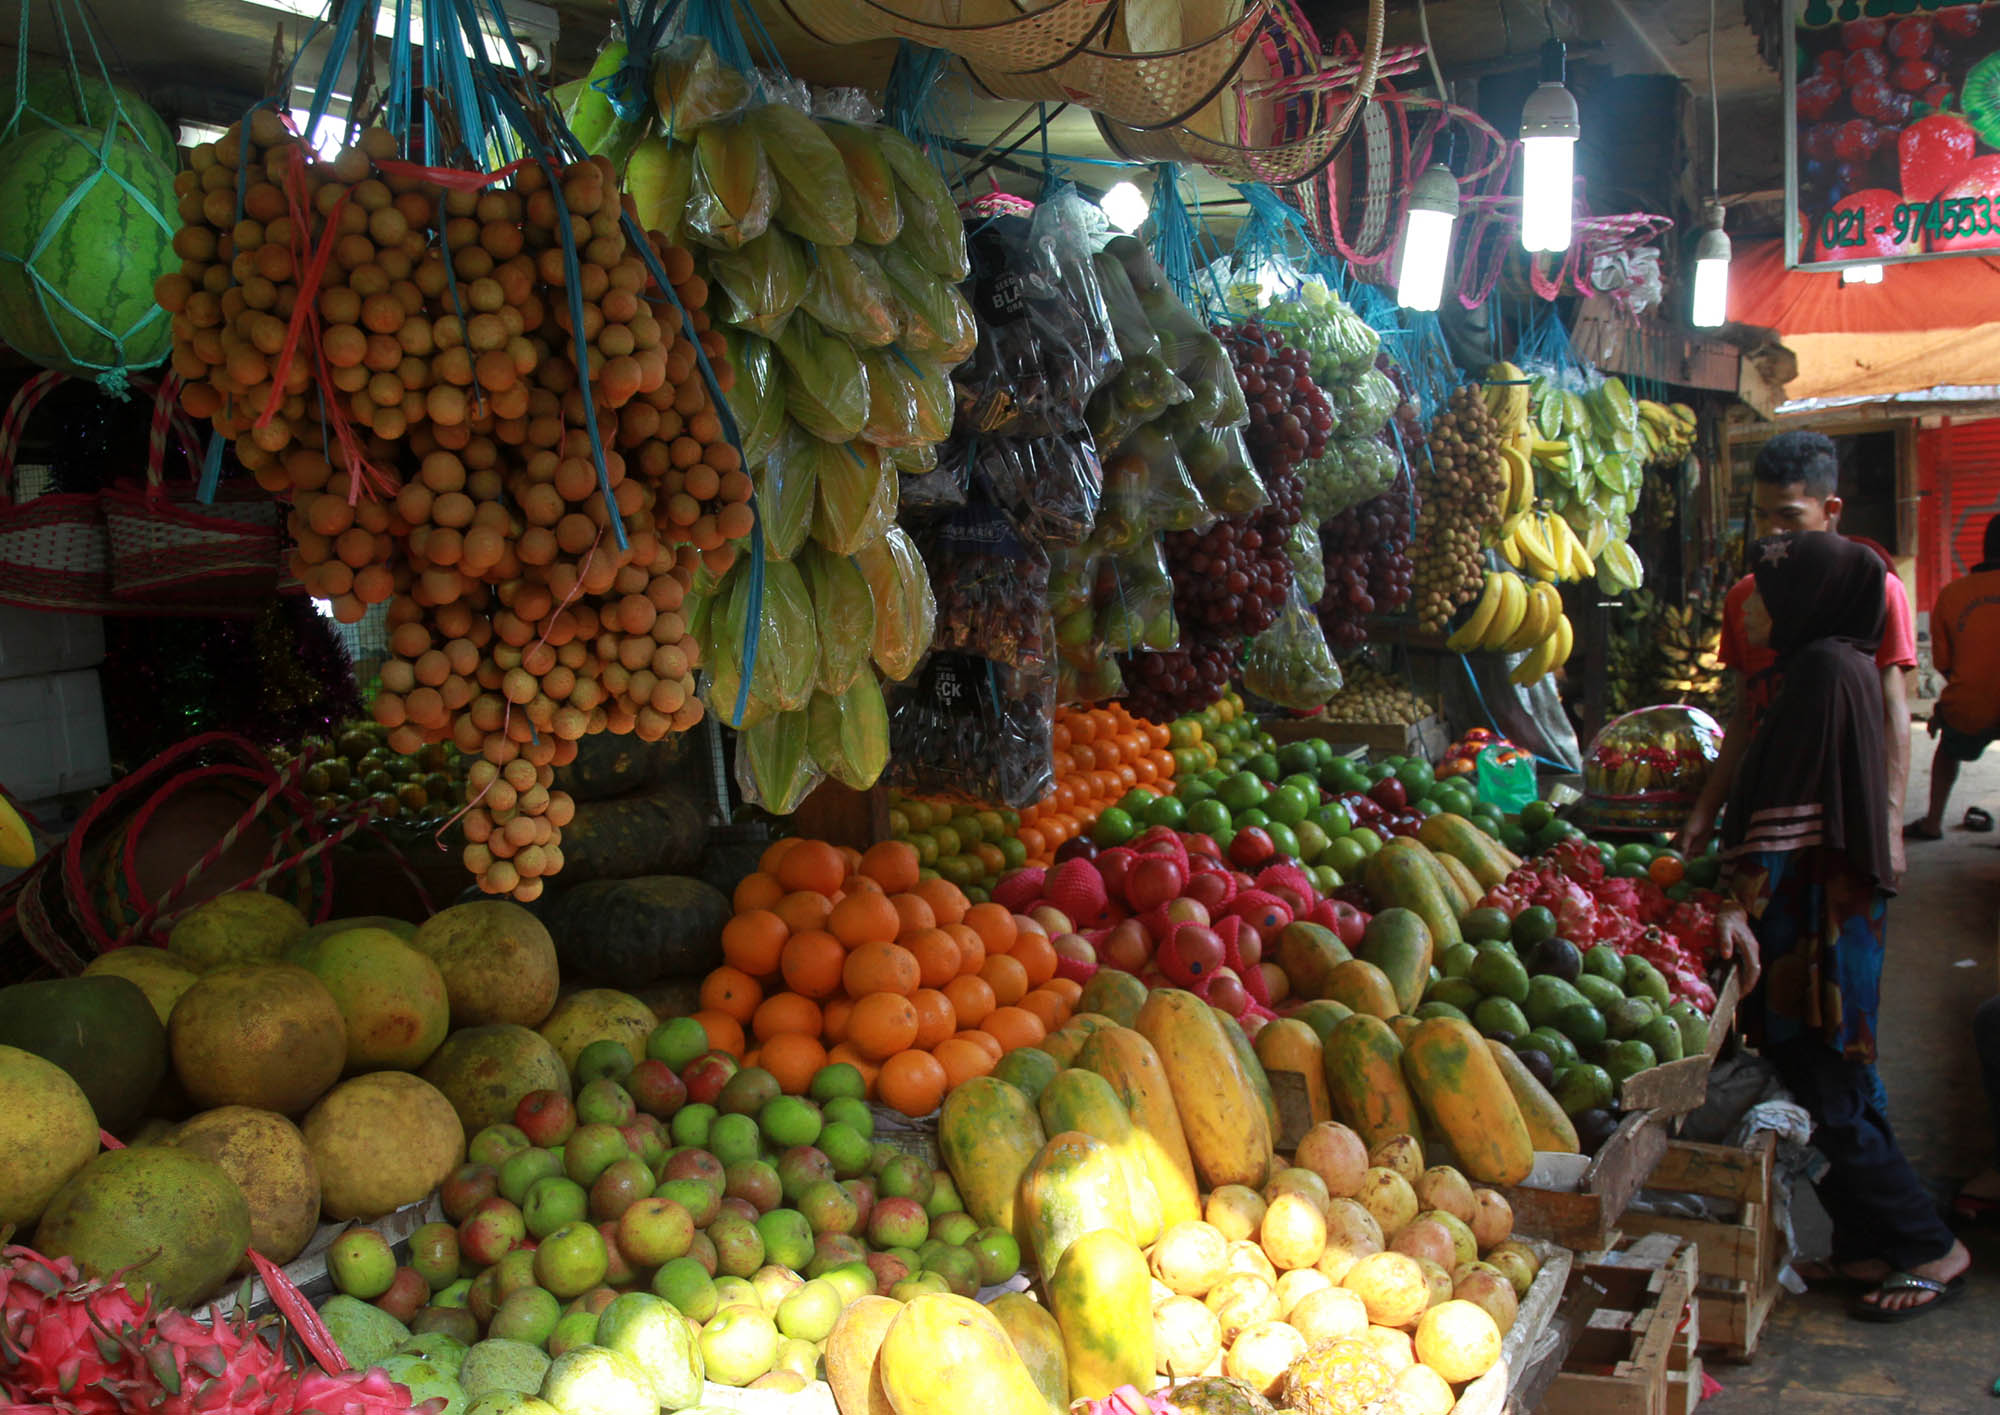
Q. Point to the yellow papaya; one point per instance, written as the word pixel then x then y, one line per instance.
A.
pixel 1079 1099
pixel 1076 1184
pixel 1222 1116
pixel 1038 1341
pixel 944 1349
pixel 989 1134
pixel 1101 1294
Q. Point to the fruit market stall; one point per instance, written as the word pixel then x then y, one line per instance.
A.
pixel 857 773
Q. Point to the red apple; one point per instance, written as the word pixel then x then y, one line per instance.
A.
pixel 1349 922
pixel 1113 867
pixel 1250 948
pixel 1191 953
pixel 1201 846
pixel 407 1292
pixel 1188 910
pixel 707 1074
pixel 469 1186
pixel 1153 881
pixel 1074 947
pixel 1292 899
pixel 1211 890
pixel 1126 947
pixel 656 1089
pixel 546 1117
pixel 1227 992
pixel 490 1230
pixel 1252 1023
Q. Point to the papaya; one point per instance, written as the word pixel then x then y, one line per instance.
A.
pixel 1027 1070
pixel 1038 1341
pixel 1404 873
pixel 852 1351
pixel 1076 1184
pixel 1288 1044
pixel 1128 1062
pixel 1228 1132
pixel 989 1134
pixel 1080 1099
pixel 1548 1124
pixel 1364 1080
pixel 1323 1015
pixel 1487 859
pixel 1398 942
pixel 1461 1088
pixel 943 1348
pixel 1364 987
pixel 1459 882
pixel 1308 953
pixel 1116 994
pixel 1246 1057
pixel 1063 1045
pixel 1102 1298
pixel 1402 1024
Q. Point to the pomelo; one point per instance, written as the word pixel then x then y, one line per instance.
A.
pixel 161 975
pixel 267 1035
pixel 484 1072
pixel 381 1141
pixel 267 1157
pixel 245 926
pixel 498 961
pixel 159 1215
pixel 391 997
pixel 46 1129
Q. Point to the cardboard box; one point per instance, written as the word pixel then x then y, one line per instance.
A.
pixel 52 735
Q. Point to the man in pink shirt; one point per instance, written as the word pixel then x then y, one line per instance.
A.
pixel 1797 489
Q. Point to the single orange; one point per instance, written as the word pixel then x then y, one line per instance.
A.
pixel 756 891
pixel 812 864
pixel 725 1033
pixel 913 911
pixel 776 851
pixel 864 918
pixel 860 884
pixel 985 1041
pixel 936 953
pixel 1007 978
pixel 1033 841
pixel 1015 1027
pixel 936 1017
pixel 803 909
pixel 971 948
pixel 1070 989
pixel 732 992
pixel 882 1024
pixel 1036 955
pixel 833 1015
pixel 1049 1008
pixel 753 942
pixel 784 1012
pixel 881 967
pixel 971 999
pixel 846 1053
pixel 913 1082
pixel 994 923
pixel 892 864
pixel 811 963
pixel 794 1059
pixel 946 899
pixel 850 857
pixel 961 1060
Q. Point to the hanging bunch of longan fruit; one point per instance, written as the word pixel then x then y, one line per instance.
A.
pixel 393 350
pixel 1460 483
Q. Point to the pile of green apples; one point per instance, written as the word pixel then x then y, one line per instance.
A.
pixel 679 1221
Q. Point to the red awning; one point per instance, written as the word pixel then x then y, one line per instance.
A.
pixel 1952 292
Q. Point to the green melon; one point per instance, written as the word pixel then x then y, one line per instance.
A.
pixel 55 95
pixel 99 260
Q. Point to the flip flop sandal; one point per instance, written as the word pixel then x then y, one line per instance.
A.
pixel 1973 1211
pixel 1944 1292
pixel 1917 830
pixel 1978 818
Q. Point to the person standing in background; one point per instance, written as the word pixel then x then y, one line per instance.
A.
pixel 1965 647
pixel 1797 488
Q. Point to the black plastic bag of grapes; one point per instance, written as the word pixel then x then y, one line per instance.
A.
pixel 1037 360
pixel 969 729
pixel 991 585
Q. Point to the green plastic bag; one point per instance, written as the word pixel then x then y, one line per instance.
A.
pixel 815 198
pixel 844 614
pixel 1508 785
pixel 757 397
pixel 849 734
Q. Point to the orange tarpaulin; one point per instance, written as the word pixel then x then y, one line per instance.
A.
pixel 1929 324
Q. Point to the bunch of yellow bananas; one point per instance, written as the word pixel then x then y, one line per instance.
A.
pixel 1516 615
pixel 1544 545
pixel 1666 432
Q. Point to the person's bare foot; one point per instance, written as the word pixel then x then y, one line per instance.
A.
pixel 1951 1265
pixel 1823 1270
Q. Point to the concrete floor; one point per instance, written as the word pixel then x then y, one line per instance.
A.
pixel 1942 956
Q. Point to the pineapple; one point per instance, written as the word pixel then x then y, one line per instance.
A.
pixel 1337 1378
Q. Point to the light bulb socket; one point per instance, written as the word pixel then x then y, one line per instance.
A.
pixel 1714 242
pixel 1435 189
pixel 1554 62
pixel 1551 112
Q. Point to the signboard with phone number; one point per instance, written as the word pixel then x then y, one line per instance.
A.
pixel 1892 131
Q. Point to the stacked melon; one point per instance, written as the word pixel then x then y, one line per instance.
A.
pixel 87 221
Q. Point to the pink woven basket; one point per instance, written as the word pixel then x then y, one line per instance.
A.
pixel 55 551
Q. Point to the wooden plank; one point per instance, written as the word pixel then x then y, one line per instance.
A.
pixel 1728 1251
pixel 1584 1217
pixel 1680 1087
pixel 1717 1171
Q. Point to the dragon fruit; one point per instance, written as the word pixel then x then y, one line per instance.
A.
pixel 79 1347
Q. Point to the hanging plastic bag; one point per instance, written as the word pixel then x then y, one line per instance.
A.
pixel 1218 461
pixel 1289 663
pixel 734 192
pixel 973 730
pixel 991 586
pixel 877 209
pixel 1050 485
pixel 843 616
pixel 1302 548
pixel 659 177
pixel 936 322
pixel 1029 375
pixel 726 623
pixel 787 641
pixel 786 484
pixel 1364 403
pixel 1135 600
pixel 1072 585
pixel 756 395
pixel 1060 234
pixel 826 389
pixel 849 733
pixel 1168 497
pixel 1088 678
pixel 692 87
pixel 931 230
pixel 762 281
pixel 849 513
pixel 942 483
pixel 815 199
pixel 1350 471
pixel 846 292
pixel 909 400
pixel 905 610
pixel 774 763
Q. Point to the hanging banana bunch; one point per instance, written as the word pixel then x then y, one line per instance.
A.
pixel 1545 546
pixel 1515 615
pixel 1666 433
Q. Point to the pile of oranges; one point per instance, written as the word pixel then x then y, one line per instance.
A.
pixel 1100 754
pixel 833 955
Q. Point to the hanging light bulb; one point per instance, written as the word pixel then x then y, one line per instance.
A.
pixel 1861 275
pixel 1427 228
pixel 1549 130
pixel 1711 272
pixel 1125 207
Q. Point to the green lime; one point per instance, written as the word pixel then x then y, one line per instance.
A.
pixel 1169 811
pixel 1242 791
pixel 1288 805
pixel 1333 818
pixel 1136 801
pixel 1345 853
pixel 1535 815
pixel 1283 839
pixel 1326 879
pixel 1264 765
pixel 1209 817
pixel 1633 854
pixel 1416 776
pixel 1312 841
pixel 1255 816
pixel 1367 839
pixel 839 1079
pixel 949 841
pixel 1192 790
pixel 1013 852
pixel 1114 827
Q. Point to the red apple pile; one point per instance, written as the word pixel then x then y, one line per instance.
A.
pixel 1174 911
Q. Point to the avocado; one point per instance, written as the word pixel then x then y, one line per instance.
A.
pixel 1484 925
pixel 1455 992
pixel 1427 1010
pixel 1532 925
pixel 1538 1063
pixel 1555 957
pixel 1594 1127
pixel 1663 1035
pixel 1628 1059
pixel 1582 1087
pixel 1456 961
pixel 1498 973
pixel 1642 979
pixel 1604 961
pixel 1693 1027
pixel 1548 995
pixel 1628 1018
pixel 102 1030
pixel 1558 1046
pixel 1599 991
pixel 1499 1017
pixel 1583 1024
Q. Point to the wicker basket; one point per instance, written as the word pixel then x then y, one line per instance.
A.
pixel 55 552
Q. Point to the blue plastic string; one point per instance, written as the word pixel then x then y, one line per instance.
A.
pixel 753 620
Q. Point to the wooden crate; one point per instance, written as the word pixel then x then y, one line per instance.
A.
pixel 1739 1260
pixel 1679 1087
pixel 1626 1357
pixel 1578 1201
